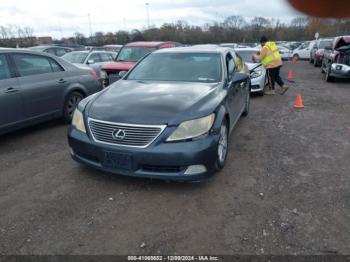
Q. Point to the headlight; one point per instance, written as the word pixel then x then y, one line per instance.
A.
pixel 256 73
pixel 78 121
pixel 103 74
pixel 192 128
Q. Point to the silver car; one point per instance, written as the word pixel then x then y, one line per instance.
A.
pixel 36 86
pixel 93 59
pixel 258 72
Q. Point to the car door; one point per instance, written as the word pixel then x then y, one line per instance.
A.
pixel 42 81
pixel 233 99
pixel 11 109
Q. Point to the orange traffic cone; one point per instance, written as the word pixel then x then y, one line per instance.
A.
pixel 298 102
pixel 290 75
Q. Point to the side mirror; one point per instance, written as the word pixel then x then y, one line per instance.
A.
pixel 239 77
pixel 122 73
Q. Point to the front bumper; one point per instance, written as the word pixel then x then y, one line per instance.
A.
pixel 340 71
pixel 167 161
pixel 258 83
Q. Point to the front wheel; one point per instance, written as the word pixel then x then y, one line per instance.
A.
pixel 71 102
pixel 328 77
pixel 222 148
pixel 296 57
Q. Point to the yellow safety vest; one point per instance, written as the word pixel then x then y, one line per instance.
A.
pixel 272 53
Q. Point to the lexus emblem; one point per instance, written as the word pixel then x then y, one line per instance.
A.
pixel 118 134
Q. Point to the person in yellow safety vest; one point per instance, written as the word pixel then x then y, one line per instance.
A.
pixel 270 57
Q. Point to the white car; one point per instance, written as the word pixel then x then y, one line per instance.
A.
pixel 303 51
pixel 258 71
pixel 285 52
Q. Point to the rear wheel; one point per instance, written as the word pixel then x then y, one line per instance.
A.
pixel 222 148
pixel 71 102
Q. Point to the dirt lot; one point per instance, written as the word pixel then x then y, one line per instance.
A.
pixel 284 190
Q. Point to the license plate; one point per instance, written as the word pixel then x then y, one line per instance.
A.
pixel 117 160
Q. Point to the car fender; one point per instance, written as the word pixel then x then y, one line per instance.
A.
pixel 76 87
pixel 221 114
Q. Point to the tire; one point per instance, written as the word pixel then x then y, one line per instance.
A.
pixel 70 103
pixel 328 77
pixel 222 147
pixel 247 103
pixel 296 57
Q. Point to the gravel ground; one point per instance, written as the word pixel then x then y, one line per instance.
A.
pixel 284 190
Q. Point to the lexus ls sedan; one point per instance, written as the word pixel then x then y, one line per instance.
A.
pixel 169 117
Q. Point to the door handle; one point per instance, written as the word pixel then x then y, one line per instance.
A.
pixel 11 90
pixel 62 81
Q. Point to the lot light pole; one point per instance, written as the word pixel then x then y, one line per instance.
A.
pixel 147 9
pixel 90 30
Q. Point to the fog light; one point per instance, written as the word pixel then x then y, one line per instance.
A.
pixel 195 169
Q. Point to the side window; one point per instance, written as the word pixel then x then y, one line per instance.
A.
pixel 105 57
pixel 55 66
pixel 60 51
pixel 96 57
pixel 32 64
pixel 4 68
pixel 51 51
pixel 239 64
pixel 230 65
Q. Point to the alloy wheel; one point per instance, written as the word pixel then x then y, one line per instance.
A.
pixel 223 143
pixel 73 103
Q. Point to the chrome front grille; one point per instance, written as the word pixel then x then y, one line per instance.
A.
pixel 124 134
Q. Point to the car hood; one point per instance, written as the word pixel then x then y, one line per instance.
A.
pixel 119 66
pixel 342 41
pixel 144 102
pixel 252 65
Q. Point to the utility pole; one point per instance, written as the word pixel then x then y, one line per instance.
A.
pixel 90 29
pixel 147 9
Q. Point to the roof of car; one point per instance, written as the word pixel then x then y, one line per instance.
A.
pixel 146 44
pixel 195 49
pixel 249 49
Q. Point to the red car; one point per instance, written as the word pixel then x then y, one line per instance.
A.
pixel 127 57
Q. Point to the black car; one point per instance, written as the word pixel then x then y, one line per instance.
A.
pixel 36 87
pixel 168 118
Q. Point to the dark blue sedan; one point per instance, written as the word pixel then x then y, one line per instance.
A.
pixel 169 117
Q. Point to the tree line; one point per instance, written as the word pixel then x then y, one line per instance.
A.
pixel 232 29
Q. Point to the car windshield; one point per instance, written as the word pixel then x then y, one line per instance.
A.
pixel 186 67
pixel 133 53
pixel 323 44
pixel 77 58
pixel 246 55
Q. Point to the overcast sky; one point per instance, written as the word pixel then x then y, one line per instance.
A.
pixel 59 18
